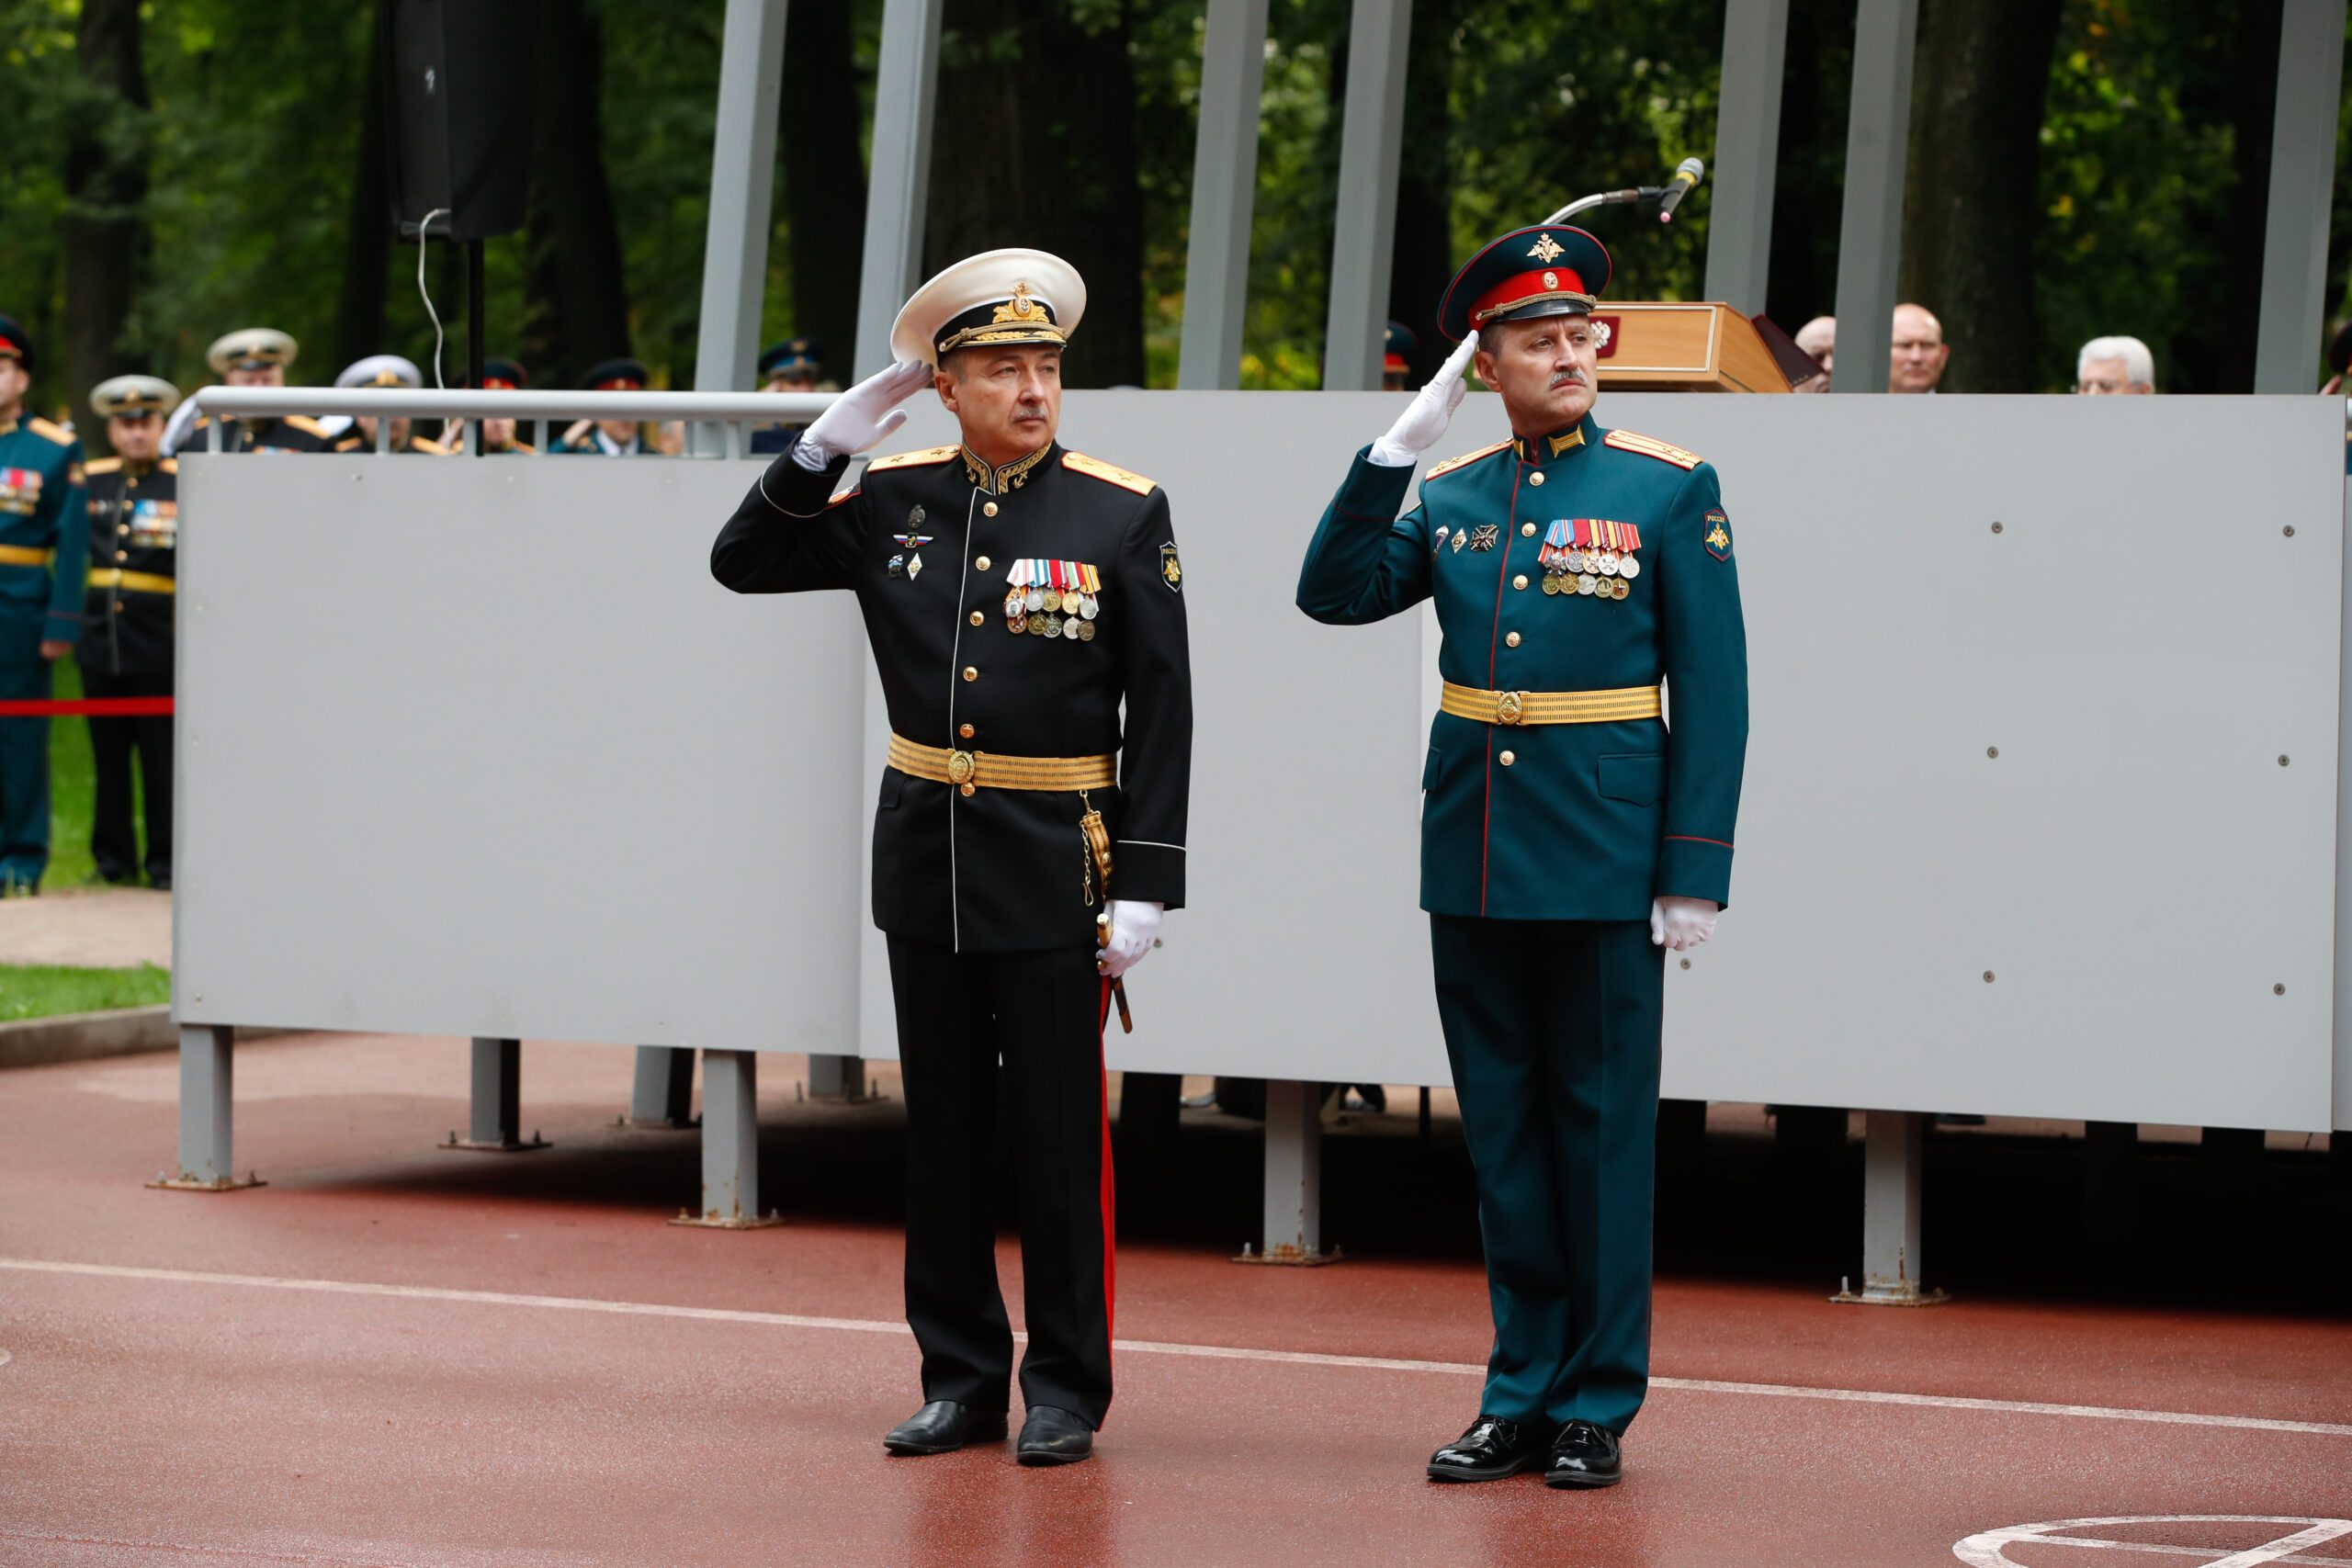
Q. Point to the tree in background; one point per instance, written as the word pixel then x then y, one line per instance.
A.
pixel 821 133
pixel 106 190
pixel 578 312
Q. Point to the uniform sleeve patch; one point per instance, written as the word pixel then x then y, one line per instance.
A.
pixel 1464 461
pixel 1651 446
pixel 1109 473
pixel 1171 570
pixel 1718 534
pixel 924 458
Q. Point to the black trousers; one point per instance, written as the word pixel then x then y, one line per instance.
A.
pixel 113 838
pixel 1040 1016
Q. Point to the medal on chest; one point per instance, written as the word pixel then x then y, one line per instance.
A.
pixel 1591 557
pixel 20 490
pixel 1053 598
pixel 907 563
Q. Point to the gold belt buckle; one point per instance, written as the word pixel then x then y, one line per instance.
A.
pixel 960 766
pixel 1508 705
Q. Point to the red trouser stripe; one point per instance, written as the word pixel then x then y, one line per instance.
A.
pixel 96 708
pixel 1110 1187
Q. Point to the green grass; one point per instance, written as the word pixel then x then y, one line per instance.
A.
pixel 46 991
pixel 73 791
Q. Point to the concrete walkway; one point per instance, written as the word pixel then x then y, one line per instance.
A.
pixel 93 927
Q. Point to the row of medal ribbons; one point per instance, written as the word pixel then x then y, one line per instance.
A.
pixel 1053 598
pixel 1591 556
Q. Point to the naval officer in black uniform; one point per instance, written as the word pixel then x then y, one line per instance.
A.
pixel 1015 594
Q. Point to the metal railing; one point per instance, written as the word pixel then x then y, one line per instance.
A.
pixel 715 421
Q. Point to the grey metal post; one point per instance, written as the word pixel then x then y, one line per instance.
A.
pixel 1894 1144
pixel 1224 191
pixel 1869 230
pixel 1293 1199
pixel 731 1144
pixel 1364 234
pixel 662 1094
pixel 742 183
pixel 2302 176
pixel 495 1123
pixel 2340 1141
pixel 208 1105
pixel 905 85
pixel 1747 147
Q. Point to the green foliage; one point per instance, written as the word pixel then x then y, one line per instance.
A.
pixel 72 792
pixel 47 991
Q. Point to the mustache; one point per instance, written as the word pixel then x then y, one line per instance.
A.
pixel 1567 378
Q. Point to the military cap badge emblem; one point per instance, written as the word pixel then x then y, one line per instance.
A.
pixel 1546 249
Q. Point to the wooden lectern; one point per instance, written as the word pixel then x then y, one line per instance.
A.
pixel 1662 347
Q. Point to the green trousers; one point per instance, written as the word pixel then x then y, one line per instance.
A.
pixel 1552 1027
pixel 24 780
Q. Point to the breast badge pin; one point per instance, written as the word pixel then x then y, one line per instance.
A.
pixel 1483 537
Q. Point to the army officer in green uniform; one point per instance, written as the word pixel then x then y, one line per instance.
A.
pixel 1569 836
pixel 43 541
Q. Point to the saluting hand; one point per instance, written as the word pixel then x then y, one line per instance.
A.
pixel 867 412
pixel 1425 418
pixel 1682 923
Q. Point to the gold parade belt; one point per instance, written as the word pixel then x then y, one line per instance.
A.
pixel 1551 707
pixel 137 581
pixel 985 769
pixel 23 555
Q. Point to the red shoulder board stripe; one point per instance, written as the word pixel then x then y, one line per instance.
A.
pixel 1651 446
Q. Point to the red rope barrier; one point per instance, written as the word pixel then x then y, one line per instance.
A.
pixel 97 707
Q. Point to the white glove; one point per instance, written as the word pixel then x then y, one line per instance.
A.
pixel 863 415
pixel 1425 418
pixel 1681 923
pixel 1135 930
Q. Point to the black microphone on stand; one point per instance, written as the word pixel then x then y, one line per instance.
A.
pixel 1689 173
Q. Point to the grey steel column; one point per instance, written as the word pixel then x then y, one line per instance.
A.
pixel 2341 1142
pixel 1225 190
pixel 1293 1213
pixel 2303 179
pixel 662 1094
pixel 731 1144
pixel 905 85
pixel 743 185
pixel 1894 1144
pixel 495 1125
pixel 207 1154
pixel 1748 149
pixel 1870 231
pixel 1364 236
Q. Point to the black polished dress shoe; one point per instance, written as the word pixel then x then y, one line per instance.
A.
pixel 942 1426
pixel 1054 1437
pixel 1493 1448
pixel 1585 1455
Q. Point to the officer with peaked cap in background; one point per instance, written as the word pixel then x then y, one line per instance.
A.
pixel 384 370
pixel 250 356
pixel 43 542
pixel 498 436
pixel 1397 356
pixel 1568 836
pixel 126 647
pixel 609 437
pixel 791 365
pixel 1015 594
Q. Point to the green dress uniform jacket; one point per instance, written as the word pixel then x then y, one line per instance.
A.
pixel 44 544
pixel 1566 821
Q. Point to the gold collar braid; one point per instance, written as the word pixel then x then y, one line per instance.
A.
pixel 1012 476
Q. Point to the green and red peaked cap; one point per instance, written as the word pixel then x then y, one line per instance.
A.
pixel 1550 269
pixel 16 343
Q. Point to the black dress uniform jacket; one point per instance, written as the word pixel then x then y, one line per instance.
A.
pixel 295 432
pixel 998 870
pixel 134 526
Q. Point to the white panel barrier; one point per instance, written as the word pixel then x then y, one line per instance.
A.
pixel 477 748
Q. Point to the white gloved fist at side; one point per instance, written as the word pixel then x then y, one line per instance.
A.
pixel 1423 422
pixel 863 415
pixel 1135 930
pixel 1682 923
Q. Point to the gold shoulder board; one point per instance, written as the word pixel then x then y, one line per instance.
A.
pixel 1109 473
pixel 1468 457
pixel 307 425
pixel 923 459
pixel 841 495
pixel 1651 446
pixel 431 448
pixel 105 465
pixel 169 464
pixel 49 432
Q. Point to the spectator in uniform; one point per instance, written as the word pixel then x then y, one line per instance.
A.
pixel 43 541
pixel 250 356
pixel 2112 366
pixel 1919 353
pixel 610 437
pixel 498 436
pixel 384 370
pixel 1397 357
pixel 1819 337
pixel 126 647
pixel 791 365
